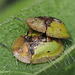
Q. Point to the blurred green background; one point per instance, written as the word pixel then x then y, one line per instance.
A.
pixel 10 29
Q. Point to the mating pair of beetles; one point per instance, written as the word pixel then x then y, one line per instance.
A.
pixel 42 43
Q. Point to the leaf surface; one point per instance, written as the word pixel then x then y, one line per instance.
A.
pixel 11 28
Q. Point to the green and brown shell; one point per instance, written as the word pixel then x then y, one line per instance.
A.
pixel 36 49
pixel 51 26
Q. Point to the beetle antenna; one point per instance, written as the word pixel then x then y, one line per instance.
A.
pixel 4 46
pixel 19 20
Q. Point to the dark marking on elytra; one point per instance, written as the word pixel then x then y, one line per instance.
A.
pixel 31 51
pixel 48 21
pixel 48 51
pixel 32 47
pixel 60 29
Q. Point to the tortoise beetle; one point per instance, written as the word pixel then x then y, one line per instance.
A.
pixel 53 27
pixel 42 43
pixel 36 49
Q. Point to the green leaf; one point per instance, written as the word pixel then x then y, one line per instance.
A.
pixel 11 28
